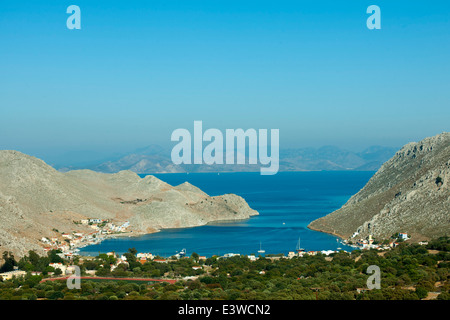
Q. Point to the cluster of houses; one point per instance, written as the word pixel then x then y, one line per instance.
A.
pixel 364 244
pixel 145 257
pixel 66 270
pixel 369 242
pixel 68 243
pixel 105 226
pixel 16 273
pixel 290 255
pixel 12 274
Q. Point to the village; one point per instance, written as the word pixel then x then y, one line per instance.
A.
pixel 371 243
pixel 67 247
pixel 69 244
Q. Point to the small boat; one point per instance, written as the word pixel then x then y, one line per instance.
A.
pixel 260 249
pixel 299 249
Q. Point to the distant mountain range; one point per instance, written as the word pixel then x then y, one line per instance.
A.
pixel 156 159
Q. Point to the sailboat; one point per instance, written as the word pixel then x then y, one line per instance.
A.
pixel 299 249
pixel 260 249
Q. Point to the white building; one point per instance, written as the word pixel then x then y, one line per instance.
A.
pixel 291 254
pixel 59 266
pixel 403 236
pixel 71 269
pixel 91 272
pixel 122 227
pixel 252 257
pixel 10 274
pixel 45 240
pixel 144 255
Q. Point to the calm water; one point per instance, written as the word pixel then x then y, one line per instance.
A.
pixel 287 202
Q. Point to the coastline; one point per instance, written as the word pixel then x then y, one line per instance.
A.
pixel 135 234
pixel 267 254
pixel 299 211
pixel 323 231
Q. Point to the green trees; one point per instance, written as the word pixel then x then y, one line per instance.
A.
pixel 421 292
pixel 58 272
pixel 408 272
pixel 131 258
pixel 34 262
pixel 442 243
pixel 195 256
pixel 9 262
pixel 54 257
pixel 444 296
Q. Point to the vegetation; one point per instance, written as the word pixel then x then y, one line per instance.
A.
pixel 408 272
pixel 9 262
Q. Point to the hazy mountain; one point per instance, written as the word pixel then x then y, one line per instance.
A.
pixel 156 159
pixel 409 193
pixel 334 158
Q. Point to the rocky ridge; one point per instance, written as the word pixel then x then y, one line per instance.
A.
pixel 409 193
pixel 38 201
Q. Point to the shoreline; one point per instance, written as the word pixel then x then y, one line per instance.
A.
pixel 266 254
pixel 135 234
pixel 323 231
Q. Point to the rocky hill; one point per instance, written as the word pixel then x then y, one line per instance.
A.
pixel 409 193
pixel 38 201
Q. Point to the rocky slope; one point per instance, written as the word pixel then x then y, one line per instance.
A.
pixel 36 200
pixel 409 193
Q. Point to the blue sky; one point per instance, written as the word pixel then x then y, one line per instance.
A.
pixel 137 70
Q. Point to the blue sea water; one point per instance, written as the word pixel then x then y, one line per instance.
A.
pixel 287 202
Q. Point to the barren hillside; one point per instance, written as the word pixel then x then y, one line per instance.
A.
pixel 35 200
pixel 409 193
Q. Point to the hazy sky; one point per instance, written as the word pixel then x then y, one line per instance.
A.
pixel 137 70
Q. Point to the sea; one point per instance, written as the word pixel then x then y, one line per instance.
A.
pixel 287 202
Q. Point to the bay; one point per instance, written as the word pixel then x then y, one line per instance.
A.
pixel 287 202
